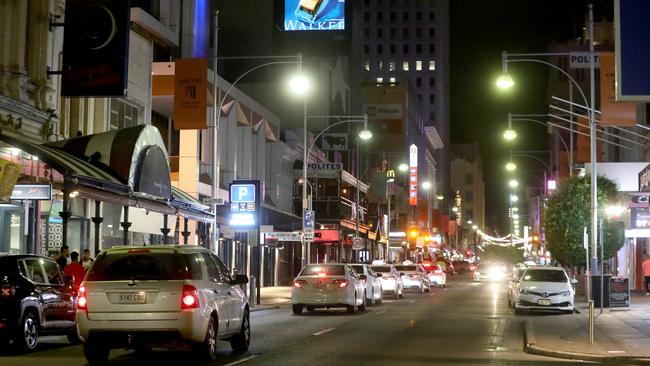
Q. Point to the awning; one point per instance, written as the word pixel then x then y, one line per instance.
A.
pixel 95 183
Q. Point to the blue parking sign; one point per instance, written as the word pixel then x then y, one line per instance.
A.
pixel 242 193
pixel 309 219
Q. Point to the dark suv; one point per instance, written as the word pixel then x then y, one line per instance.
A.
pixel 36 299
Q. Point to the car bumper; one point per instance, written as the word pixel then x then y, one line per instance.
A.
pixel 188 325
pixel 437 280
pixel 412 283
pixel 389 287
pixel 532 302
pixel 320 298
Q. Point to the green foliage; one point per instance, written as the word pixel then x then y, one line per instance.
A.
pixel 503 254
pixel 568 212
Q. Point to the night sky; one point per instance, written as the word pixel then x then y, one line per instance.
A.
pixel 480 31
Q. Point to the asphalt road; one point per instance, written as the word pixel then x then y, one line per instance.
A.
pixel 467 323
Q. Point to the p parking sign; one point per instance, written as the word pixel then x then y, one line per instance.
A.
pixel 244 203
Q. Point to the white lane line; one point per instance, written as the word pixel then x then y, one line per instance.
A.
pixel 241 360
pixel 380 312
pixel 323 331
pixel 412 301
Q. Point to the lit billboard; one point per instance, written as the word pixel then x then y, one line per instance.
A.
pixel 314 15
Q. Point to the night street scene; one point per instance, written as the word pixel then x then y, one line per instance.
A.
pixel 324 182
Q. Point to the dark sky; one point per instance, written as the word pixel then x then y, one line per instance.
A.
pixel 480 31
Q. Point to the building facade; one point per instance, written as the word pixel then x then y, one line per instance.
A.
pixel 467 181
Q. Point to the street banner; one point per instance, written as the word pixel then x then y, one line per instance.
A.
pixel 619 292
pixel 8 175
pixel 613 113
pixel 191 94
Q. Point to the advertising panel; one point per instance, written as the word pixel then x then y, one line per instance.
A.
pixel 314 15
pixel 191 94
pixel 32 192
pixel 632 32
pixel 413 175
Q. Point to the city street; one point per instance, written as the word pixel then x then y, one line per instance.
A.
pixel 467 323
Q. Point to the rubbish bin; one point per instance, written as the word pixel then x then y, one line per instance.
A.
pixel 595 290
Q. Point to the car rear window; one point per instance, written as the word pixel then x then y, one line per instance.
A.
pixel 331 270
pixel 406 268
pixel 382 269
pixel 358 269
pixel 542 275
pixel 149 266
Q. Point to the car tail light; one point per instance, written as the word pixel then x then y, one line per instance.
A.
pixel 341 283
pixel 426 265
pixel 322 274
pixel 7 291
pixel 190 299
pixel 299 283
pixel 82 300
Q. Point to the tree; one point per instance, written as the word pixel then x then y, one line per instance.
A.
pixel 569 211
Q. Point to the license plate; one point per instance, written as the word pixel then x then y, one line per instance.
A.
pixel 132 298
pixel 545 302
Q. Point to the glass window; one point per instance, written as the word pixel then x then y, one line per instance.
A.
pixel 418 82
pixel 432 82
pixel 405 16
pixel 33 271
pixel 432 15
pixel 432 98
pixel 358 269
pixel 52 272
pixel 392 80
pixel 392 16
pixel 381 269
pixel 366 32
pixel 366 16
pixel 405 33
pixel 406 268
pixel 380 80
pixel 380 49
pixel 432 65
pixel 213 272
pixel 391 65
pixel 327 269
pixel 432 48
pixel 418 65
pixel 432 32
pixel 366 49
pixel 393 32
pixel 139 264
pixel 432 115
pixel 405 66
pixel 405 48
pixel 392 49
pixel 380 32
pixel 354 274
pixel 223 270
pixel 380 16
pixel 194 263
pixel 541 275
pixel 418 49
pixel 418 16
pixel 418 31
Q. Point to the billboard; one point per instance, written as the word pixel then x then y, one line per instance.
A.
pixel 632 32
pixel 190 94
pixel 314 15
pixel 413 175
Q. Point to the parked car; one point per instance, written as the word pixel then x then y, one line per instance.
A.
pixel 372 281
pixel 489 271
pixel 437 277
pixel 513 281
pixel 331 285
pixel 544 288
pixel 413 277
pixel 36 299
pixel 180 297
pixel 391 281
pixel 461 267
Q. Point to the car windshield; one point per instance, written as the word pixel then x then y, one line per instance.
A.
pixel 406 268
pixel 331 270
pixel 542 275
pixel 150 266
pixel 382 269
pixel 358 269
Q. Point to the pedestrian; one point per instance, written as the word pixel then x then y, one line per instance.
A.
pixel 75 269
pixel 646 274
pixel 87 259
pixel 62 259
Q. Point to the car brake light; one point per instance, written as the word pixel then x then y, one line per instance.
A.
pixel 82 300
pixel 341 283
pixel 299 283
pixel 190 299
pixel 7 291
pixel 426 265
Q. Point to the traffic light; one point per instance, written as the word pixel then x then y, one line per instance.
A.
pixel 413 233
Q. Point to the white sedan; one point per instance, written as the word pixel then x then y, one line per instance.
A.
pixel 436 275
pixel 330 285
pixel 373 283
pixel 544 288
pixel 391 281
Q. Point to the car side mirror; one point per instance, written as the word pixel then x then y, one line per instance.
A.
pixel 379 275
pixel 239 280
pixel 574 281
pixel 363 277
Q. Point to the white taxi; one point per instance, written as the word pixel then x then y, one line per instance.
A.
pixel 331 285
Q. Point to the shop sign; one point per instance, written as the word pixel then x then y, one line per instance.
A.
pixel 413 175
pixel 582 60
pixel 32 192
pixel 644 179
pixel 190 94
pixel 314 15
pixel 282 236
pixel 244 203
pixel 325 166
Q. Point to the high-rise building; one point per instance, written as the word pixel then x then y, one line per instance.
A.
pixel 409 40
pixel 467 180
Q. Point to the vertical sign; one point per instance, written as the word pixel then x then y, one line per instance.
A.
pixel 245 204
pixel 612 112
pixel 308 224
pixel 413 175
pixel 191 94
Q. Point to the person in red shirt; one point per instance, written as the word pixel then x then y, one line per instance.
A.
pixel 646 274
pixel 75 269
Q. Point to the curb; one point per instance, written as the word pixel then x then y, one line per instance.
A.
pixel 268 307
pixel 530 346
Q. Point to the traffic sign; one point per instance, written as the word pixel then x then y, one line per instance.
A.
pixel 357 243
pixel 309 235
pixel 283 236
pixel 215 201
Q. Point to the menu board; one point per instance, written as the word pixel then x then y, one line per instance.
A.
pixel 619 292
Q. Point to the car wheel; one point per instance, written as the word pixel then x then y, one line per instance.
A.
pixel 401 294
pixel 96 353
pixel 421 287
pixel 73 335
pixel 362 307
pixel 519 311
pixel 352 308
pixel 568 311
pixel 371 301
pixel 207 350
pixel 297 309
pixel 27 336
pixel 310 308
pixel 241 341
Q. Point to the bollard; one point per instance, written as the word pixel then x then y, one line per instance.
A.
pixel 252 290
pixel 591 321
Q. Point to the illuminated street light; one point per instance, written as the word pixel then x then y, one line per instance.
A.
pixel 365 134
pixel 403 167
pixel 440 197
pixel 514 198
pixel 513 183
pixel 299 84
pixel 515 209
pixel 426 185
pixel 510 135
pixel 515 216
pixel 475 227
pixel 454 209
pixel 510 166
pixel 505 81
pixel 614 210
pixel 469 222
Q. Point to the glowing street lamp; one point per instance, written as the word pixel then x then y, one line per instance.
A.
pixel 514 198
pixel 299 84
pixel 510 166
pixel 510 134
pixel 426 185
pixel 513 183
pixel 403 167
pixel 505 81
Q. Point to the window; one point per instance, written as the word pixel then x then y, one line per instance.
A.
pixel 418 65
pixel 194 261
pixel 419 97
pixel 380 32
pixel 381 65
pixel 405 16
pixel 32 270
pixel 418 82
pixel 223 270
pixel 392 16
pixel 405 48
pixel 328 269
pixel 432 15
pixel 380 49
pixel 380 16
pixel 405 66
pixel 432 115
pixel 393 33
pixel 123 114
pixel 405 33
pixel 366 66
pixel 418 49
pixel 213 272
pixel 540 275
pixel 392 49
pixel 432 32
pixel 144 265
pixel 366 49
pixel 418 32
pixel 393 80
pixel 432 82
pixel 432 48
pixel 53 273
pixel 380 80
pixel 366 32
pixel 366 16
pixel 432 65
pixel 391 65
pixel 418 16
pixel 432 98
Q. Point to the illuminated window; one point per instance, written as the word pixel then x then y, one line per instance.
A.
pixel 366 66
pixel 392 80
pixel 405 66
pixel 432 65
pixel 418 65
pixel 391 66
pixel 380 80
pixel 381 65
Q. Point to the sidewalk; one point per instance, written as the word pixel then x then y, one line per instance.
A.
pixel 621 336
pixel 272 298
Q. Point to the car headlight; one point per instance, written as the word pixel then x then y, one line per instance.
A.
pixel 565 293
pixel 523 291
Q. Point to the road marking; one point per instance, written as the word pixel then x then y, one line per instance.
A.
pixel 241 360
pixel 380 312
pixel 615 351
pixel 412 301
pixel 323 331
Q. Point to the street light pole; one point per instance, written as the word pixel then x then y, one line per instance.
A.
pixel 593 147
pixel 305 250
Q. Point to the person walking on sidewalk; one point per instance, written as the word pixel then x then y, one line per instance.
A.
pixel 646 274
